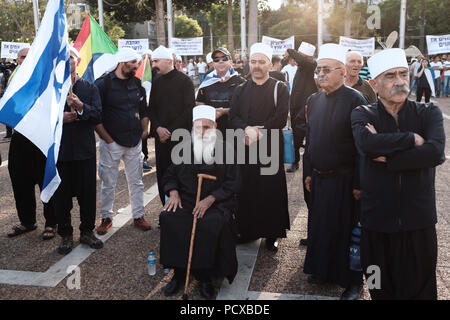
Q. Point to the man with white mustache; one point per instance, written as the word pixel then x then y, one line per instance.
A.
pixel 400 142
pixel 214 247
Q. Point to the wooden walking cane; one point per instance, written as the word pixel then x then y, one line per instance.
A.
pixel 200 176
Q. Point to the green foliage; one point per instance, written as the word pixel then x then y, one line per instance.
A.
pixel 16 21
pixel 218 17
pixel 186 27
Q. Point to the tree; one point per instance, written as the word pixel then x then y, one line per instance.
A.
pixel 160 30
pixel 230 25
pixel 252 22
pixel 187 28
pixel 216 15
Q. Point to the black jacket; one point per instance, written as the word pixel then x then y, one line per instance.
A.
pixel 78 139
pixel 398 195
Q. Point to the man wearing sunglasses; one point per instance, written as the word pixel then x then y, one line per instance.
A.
pixel 330 167
pixel 218 87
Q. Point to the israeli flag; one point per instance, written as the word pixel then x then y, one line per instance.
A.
pixel 33 103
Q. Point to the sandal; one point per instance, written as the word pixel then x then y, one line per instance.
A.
pixel 17 230
pixel 48 233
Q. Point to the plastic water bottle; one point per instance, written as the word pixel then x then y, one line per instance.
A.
pixel 288 137
pixel 355 250
pixel 151 262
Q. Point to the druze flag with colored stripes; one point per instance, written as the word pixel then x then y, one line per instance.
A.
pixel 96 50
pixel 144 73
pixel 33 103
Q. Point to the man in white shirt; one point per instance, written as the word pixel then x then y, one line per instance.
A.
pixel 413 71
pixel 437 67
pixel 446 70
pixel 202 67
pixel 290 70
pixel 191 69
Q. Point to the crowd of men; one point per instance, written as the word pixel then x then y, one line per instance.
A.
pixel 369 163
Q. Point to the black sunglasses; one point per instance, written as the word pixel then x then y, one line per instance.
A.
pixel 222 58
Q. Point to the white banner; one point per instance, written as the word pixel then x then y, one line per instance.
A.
pixel 187 46
pixel 279 46
pixel 11 49
pixel 137 44
pixel 366 47
pixel 438 44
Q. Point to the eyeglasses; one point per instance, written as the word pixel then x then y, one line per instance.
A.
pixel 222 58
pixel 325 70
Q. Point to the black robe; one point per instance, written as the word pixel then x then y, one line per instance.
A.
pixel 215 243
pixel 171 102
pixel 330 159
pixel 263 202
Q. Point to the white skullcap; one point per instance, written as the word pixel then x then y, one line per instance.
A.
pixel 148 51
pixel 209 58
pixel 261 48
pixel 74 51
pixel 385 60
pixel 333 51
pixel 307 48
pixel 179 58
pixel 162 53
pixel 126 55
pixel 204 112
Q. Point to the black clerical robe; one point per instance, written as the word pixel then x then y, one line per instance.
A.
pixel 398 204
pixel 330 159
pixel 214 245
pixel 262 202
pixel 171 102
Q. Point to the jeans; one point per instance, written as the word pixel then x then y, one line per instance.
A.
pixel 108 170
pixel 446 85
pixel 437 86
pixel 201 76
pixel 413 85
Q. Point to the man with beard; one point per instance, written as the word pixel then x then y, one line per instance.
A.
pixel 353 64
pixel 262 103
pixel 124 125
pixel 214 246
pixel 77 161
pixel 170 108
pixel 330 165
pixel 218 87
pixel 400 143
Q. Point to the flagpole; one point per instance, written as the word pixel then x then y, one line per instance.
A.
pixel 319 23
pixel 402 24
pixel 243 24
pixel 36 15
pixel 169 23
pixel 100 13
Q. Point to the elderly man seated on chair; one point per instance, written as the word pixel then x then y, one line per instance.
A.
pixel 214 250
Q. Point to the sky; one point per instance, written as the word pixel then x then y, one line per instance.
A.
pixel 274 4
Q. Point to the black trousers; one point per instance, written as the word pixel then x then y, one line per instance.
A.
pixel 9 131
pixel 78 179
pixel 407 262
pixel 26 166
pixel 420 92
pixel 299 136
pixel 202 275
pixel 163 161
pixel 145 148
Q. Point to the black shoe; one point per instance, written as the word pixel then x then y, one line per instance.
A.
pixel 353 292
pixel 91 240
pixel 293 167
pixel 312 279
pixel 66 245
pixel 304 242
pixel 172 287
pixel 272 245
pixel 207 289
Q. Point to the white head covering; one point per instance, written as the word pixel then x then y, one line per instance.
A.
pixel 204 112
pixel 126 55
pixel 263 48
pixel 162 53
pixel 385 60
pixel 209 58
pixel 74 51
pixel 333 51
pixel 307 48
pixel 148 51
pixel 179 58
